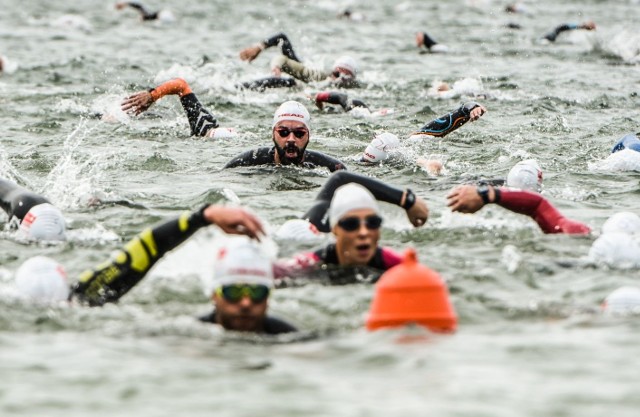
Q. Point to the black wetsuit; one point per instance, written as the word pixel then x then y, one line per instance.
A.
pixel 113 279
pixel 200 119
pixel 17 201
pixel 446 124
pixel 334 97
pixel 146 15
pixel 272 325
pixel 428 40
pixel 551 36
pixel 318 214
pixel 266 156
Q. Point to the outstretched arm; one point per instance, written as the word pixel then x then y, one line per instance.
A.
pixel 446 124
pixel 111 280
pixel 333 97
pixel 470 198
pixel 252 52
pixel 416 208
pixel 144 13
pixel 551 36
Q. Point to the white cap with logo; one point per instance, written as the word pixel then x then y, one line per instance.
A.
pixel 622 300
pixel 292 110
pixel 349 197
pixel 526 175
pixel 379 148
pixel 347 63
pixel 622 222
pixel 242 261
pixel 42 279
pixel 43 222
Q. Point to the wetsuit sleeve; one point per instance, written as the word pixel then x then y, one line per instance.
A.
pixel 390 258
pixel 17 201
pixel 315 158
pixel 260 156
pixel 297 70
pixel 200 119
pixel 551 36
pixel 146 15
pixel 333 97
pixel 539 209
pixel 268 82
pixel 285 45
pixel 111 280
pixel 428 40
pixel 446 124
pixel 317 214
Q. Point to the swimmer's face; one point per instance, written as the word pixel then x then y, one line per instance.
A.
pixel 291 138
pixel 339 72
pixel 357 246
pixel 244 315
pixel 419 39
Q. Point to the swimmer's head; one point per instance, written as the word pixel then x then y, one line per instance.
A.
pixel 291 132
pixel 623 222
pixel 243 280
pixel 351 197
pixel 525 175
pixel 617 250
pixel 42 279
pixel 43 222
pixel 298 230
pixel 346 66
pixel 379 148
pixel 624 300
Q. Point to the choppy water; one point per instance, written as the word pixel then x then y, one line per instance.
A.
pixel 531 340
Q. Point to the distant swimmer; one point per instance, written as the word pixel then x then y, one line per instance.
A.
pixel 338 98
pixel 630 141
pixel 239 290
pixel 145 15
pixel 551 36
pixel 354 218
pixel 349 14
pixel 290 133
pixel 516 8
pixel 423 40
pixel 471 198
pixel 342 75
pixel 201 121
pixel 37 218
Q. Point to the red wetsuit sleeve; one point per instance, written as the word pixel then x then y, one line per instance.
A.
pixel 176 86
pixel 539 209
pixel 390 258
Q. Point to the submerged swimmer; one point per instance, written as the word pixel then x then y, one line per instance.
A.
pixel 146 15
pixel 551 36
pixel 342 75
pixel 240 291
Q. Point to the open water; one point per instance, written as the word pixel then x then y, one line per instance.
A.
pixel 531 338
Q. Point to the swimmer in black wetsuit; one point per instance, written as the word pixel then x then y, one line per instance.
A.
pixel 342 75
pixel 341 99
pixel 144 13
pixel 38 219
pixel 243 275
pixel 430 45
pixel 551 36
pixel 290 138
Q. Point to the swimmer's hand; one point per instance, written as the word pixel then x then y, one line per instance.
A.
pixel 465 199
pixel 589 25
pixel 251 53
pixel 477 112
pixel 120 5
pixel 234 220
pixel 418 213
pixel 137 103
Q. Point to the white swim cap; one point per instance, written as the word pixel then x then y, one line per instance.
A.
pixel 379 147
pixel 349 197
pixel 299 230
pixel 618 250
pixel 623 222
pixel 526 175
pixel 42 279
pixel 242 261
pixel 292 110
pixel 622 300
pixel 348 63
pixel 43 222
pixel 222 133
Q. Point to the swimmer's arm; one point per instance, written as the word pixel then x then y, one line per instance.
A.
pixel 295 267
pixel 252 157
pixel 333 97
pixel 446 124
pixel 252 52
pixel 141 101
pixel 111 280
pixel 323 160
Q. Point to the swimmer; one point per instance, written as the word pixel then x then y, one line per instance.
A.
pixel 37 218
pixel 551 36
pixel 201 121
pixel 429 44
pixel 290 133
pixel 243 274
pixel 355 220
pixel 471 198
pixel 146 15
pixel 342 75
pixel 629 141
pixel 338 98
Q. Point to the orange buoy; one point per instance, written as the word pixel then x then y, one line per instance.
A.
pixel 411 293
